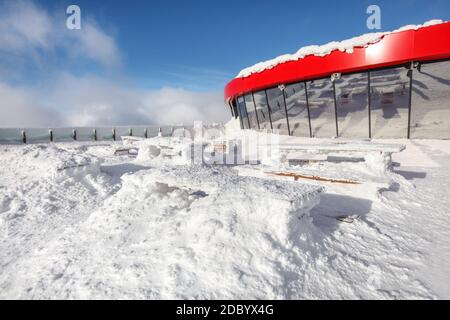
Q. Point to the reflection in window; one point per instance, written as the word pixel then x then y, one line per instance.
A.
pixel 389 103
pixel 243 113
pixel 352 105
pixel 321 108
pixel 251 112
pixel 297 110
pixel 278 113
pixel 262 110
pixel 430 110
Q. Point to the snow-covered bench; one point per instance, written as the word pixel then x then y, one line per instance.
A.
pixel 377 155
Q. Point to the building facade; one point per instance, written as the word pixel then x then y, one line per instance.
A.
pixel 398 87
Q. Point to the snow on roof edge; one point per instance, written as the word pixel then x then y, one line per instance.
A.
pixel 323 50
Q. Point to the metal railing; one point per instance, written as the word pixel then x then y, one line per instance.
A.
pixel 43 135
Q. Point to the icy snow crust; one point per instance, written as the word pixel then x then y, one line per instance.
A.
pixel 323 50
pixel 122 227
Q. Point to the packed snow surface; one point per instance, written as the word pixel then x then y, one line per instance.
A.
pixel 77 221
pixel 323 50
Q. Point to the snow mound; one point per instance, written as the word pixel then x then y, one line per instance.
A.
pixel 182 232
pixel 48 160
pixel 157 150
pixel 323 50
pixel 139 231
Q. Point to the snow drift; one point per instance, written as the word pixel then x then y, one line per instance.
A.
pixel 148 229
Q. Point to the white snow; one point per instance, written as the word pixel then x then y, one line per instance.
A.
pixel 149 227
pixel 323 50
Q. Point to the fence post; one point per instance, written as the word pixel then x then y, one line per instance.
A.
pixel 50 133
pixel 114 134
pixel 410 75
pixel 95 134
pixel 74 134
pixel 24 136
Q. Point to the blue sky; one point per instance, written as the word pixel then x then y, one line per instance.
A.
pixel 169 42
pixel 146 55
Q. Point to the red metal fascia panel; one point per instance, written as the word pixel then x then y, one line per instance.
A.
pixel 393 49
pixel 292 71
pixel 432 43
pixel 428 43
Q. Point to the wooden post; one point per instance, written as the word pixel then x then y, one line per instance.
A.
pixel 24 136
pixel 74 134
pixel 114 134
pixel 130 132
pixel 95 134
pixel 145 133
pixel 50 133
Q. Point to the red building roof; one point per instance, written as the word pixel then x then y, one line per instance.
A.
pixel 424 44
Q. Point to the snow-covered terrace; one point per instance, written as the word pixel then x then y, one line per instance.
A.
pixel 78 220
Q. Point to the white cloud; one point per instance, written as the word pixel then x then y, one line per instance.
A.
pixel 174 105
pixel 94 101
pixel 96 44
pixel 26 28
pixel 31 37
pixel 20 108
pixel 24 25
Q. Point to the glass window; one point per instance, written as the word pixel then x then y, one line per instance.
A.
pixel 139 131
pixel 262 110
pixel 251 111
pixel 238 113
pixel 165 131
pixel 278 113
pixel 389 102
pixel 352 105
pixel 321 108
pixel 234 108
pixel 62 134
pixel 121 132
pixel 9 135
pixel 37 135
pixel 243 113
pixel 85 133
pixel 430 110
pixel 105 133
pixel 297 110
